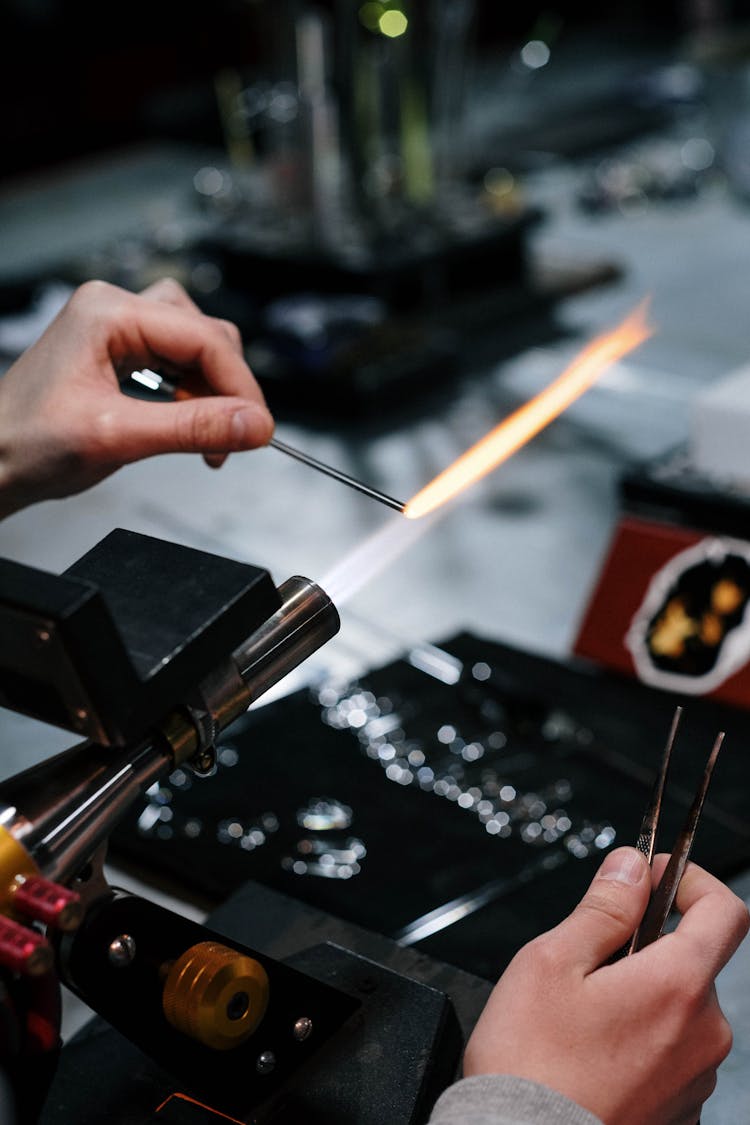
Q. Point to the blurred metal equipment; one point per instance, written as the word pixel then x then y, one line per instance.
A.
pixel 360 188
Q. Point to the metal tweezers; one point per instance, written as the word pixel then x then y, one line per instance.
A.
pixel 662 899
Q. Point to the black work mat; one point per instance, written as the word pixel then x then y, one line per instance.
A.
pixel 386 799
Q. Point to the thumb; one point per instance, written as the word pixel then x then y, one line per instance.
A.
pixel 215 424
pixel 609 913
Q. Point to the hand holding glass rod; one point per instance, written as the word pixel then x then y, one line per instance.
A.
pixel 152 381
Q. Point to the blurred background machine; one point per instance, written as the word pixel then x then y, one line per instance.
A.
pixel 362 224
pixel 669 606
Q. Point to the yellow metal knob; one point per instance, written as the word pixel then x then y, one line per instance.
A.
pixel 215 994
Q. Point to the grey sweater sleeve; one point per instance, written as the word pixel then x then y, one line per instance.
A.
pixel 499 1099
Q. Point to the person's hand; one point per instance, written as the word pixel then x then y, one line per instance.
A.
pixel 636 1041
pixel 64 422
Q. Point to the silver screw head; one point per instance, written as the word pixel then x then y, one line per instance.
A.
pixel 302 1028
pixel 121 951
pixel 265 1062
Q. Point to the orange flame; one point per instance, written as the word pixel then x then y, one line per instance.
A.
pixel 533 416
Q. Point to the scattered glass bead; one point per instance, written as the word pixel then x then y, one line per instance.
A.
pixel 227 756
pixel 323 814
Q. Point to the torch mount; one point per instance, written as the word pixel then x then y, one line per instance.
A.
pixel 150 649
pixel 107 648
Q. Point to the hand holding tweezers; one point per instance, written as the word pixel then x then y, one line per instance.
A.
pixel 662 899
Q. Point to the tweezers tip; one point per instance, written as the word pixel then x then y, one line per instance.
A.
pixel 718 742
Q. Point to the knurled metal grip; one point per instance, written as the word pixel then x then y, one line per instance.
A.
pixel 216 995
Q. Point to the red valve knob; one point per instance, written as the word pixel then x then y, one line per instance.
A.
pixel 47 902
pixel 23 950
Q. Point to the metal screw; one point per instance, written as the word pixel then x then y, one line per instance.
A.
pixel 203 764
pixel 302 1028
pixel 121 951
pixel 265 1063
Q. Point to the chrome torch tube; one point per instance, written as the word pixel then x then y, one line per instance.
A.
pixel 61 810
pixel 306 620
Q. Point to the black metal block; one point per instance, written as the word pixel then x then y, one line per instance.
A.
pixel 125 634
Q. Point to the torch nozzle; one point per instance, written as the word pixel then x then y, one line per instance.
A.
pixel 60 810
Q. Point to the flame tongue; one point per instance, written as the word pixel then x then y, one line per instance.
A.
pixel 533 416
